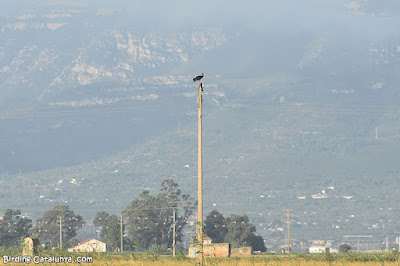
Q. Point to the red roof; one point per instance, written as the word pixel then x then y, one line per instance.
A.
pixel 87 240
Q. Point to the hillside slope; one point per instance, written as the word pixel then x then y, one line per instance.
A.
pixel 300 112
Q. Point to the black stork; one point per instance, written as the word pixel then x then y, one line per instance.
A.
pixel 198 77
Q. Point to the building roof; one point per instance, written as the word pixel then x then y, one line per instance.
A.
pixel 83 242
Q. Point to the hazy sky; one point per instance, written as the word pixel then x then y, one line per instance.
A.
pixel 268 30
pixel 255 14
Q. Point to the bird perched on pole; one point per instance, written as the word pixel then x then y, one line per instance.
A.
pixel 199 77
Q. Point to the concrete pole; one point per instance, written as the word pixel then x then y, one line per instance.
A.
pixel 200 173
pixel 173 233
pixel 122 237
pixel 288 226
pixel 60 233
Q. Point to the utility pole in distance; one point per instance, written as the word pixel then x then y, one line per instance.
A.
pixel 122 237
pixel 288 226
pixel 60 233
pixel 200 170
pixel 173 231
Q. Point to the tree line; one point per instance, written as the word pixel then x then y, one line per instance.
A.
pixel 236 230
pixel 147 222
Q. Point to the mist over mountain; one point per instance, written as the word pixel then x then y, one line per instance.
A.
pixel 298 97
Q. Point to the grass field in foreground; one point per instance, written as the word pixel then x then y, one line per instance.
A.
pixel 351 259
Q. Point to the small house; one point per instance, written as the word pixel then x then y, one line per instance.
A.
pixel 89 245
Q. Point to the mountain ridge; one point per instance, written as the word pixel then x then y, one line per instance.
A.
pixel 91 106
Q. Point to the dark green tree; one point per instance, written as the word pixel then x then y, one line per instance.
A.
pixel 48 226
pixel 114 232
pixel 149 218
pixel 101 221
pixel 239 230
pixel 344 248
pixel 241 233
pixel 215 226
pixel 13 226
pixel 257 243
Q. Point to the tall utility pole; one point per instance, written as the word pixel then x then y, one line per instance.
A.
pixel 288 227
pixel 122 237
pixel 60 233
pixel 200 174
pixel 173 232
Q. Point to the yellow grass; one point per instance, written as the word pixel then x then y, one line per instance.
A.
pixel 248 263
pixel 270 260
pixel 223 263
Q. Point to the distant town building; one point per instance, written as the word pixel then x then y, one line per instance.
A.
pixel 89 245
pixel 322 249
pixel 320 196
pixel 317 249
pixel 317 242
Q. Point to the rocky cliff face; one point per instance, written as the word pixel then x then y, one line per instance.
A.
pixel 45 57
pixel 54 53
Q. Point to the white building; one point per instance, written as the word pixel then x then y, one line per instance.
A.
pixel 89 245
pixel 317 249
